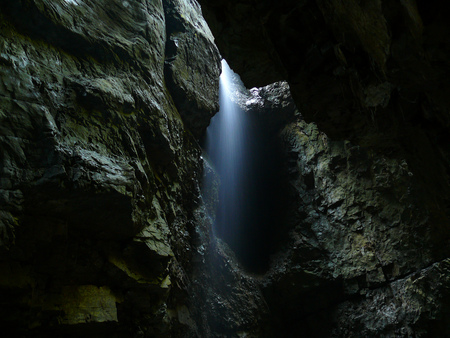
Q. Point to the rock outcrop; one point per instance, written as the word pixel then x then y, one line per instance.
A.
pixel 358 252
pixel 99 163
pixel 363 249
pixel 366 247
pixel 374 73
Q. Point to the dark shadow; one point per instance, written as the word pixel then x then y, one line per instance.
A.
pixel 252 222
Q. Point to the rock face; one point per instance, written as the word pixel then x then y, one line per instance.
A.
pixel 99 165
pixel 358 252
pixel 192 64
pixel 374 72
pixel 362 248
pixel 367 249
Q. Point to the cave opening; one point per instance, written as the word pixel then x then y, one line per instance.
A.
pixel 246 156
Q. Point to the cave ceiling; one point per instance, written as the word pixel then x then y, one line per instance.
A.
pixel 368 71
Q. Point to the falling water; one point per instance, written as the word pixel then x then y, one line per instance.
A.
pixel 226 148
pixel 243 157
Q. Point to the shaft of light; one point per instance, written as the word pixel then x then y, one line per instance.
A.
pixel 226 147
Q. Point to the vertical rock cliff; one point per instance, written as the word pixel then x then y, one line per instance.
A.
pixel 100 102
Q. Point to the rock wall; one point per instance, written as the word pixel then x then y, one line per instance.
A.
pixel 103 230
pixel 358 252
pixel 100 165
pixel 363 256
pixel 374 73
pixel 366 248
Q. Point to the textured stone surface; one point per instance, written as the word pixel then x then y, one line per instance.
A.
pixel 414 305
pixel 98 171
pixel 190 83
pixel 372 72
pixel 370 179
pixel 360 252
pixel 359 229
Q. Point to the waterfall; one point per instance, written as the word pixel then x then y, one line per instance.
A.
pixel 245 158
pixel 227 150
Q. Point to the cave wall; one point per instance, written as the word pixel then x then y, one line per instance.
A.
pixel 374 72
pixel 356 249
pixel 365 251
pixel 100 165
pixel 363 255
pixel 103 230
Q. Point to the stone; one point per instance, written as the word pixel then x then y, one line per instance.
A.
pixel 190 83
pixel 98 168
pixel 88 303
pixel 103 227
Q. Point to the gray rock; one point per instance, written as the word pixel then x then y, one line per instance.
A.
pixel 98 170
pixel 193 84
